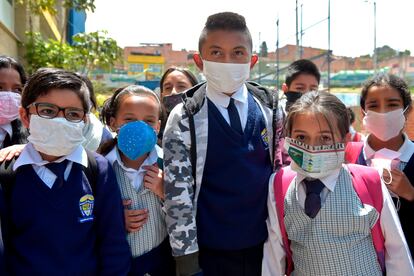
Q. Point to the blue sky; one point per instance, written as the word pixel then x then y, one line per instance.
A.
pixel 179 22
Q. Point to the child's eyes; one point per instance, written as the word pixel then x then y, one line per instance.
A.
pixel 215 53
pixel 326 138
pixel 300 138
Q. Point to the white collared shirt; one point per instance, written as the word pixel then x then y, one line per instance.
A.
pixel 397 258
pixel 135 177
pixel 4 130
pixel 31 156
pixel 221 101
pixel 406 150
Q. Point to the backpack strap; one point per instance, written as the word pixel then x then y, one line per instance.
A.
pixel 367 185
pixel 352 151
pixel 281 183
pixel 91 171
pixel 7 177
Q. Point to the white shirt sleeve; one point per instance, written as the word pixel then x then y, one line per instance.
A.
pixel 274 255
pixel 397 255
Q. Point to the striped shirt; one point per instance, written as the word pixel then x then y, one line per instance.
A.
pixel 154 231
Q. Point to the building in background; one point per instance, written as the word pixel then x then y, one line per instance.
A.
pixel 17 19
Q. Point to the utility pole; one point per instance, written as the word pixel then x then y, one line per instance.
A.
pixel 259 63
pixel 297 32
pixel 301 30
pixel 329 45
pixel 277 54
pixel 375 37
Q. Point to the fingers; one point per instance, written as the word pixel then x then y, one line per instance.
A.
pixel 135 219
pixel 10 152
pixel 126 202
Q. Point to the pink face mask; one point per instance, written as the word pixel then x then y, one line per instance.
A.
pixel 384 125
pixel 9 106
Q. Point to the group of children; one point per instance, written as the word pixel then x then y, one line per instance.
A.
pixel 66 210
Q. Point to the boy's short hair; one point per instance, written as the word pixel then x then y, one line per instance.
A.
pixel 46 79
pixel 301 66
pixel 225 21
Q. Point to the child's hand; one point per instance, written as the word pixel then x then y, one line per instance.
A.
pixel 10 152
pixel 400 184
pixel 134 219
pixel 153 180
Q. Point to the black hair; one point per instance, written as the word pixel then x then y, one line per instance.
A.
pixel 9 62
pixel 92 95
pixel 225 21
pixel 326 104
pixel 46 79
pixel 111 107
pixel 351 115
pixel 190 76
pixel 299 67
pixel 387 80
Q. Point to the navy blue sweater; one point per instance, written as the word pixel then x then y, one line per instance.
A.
pixel 232 208
pixel 50 234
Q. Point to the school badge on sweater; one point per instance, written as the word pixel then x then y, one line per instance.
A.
pixel 86 208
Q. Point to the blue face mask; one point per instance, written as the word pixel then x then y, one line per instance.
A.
pixel 136 139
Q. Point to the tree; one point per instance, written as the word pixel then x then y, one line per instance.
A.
pixel 263 49
pixel 96 50
pixel 37 6
pixel 386 52
pixel 90 52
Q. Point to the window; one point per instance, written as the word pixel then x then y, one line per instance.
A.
pixel 7 14
pixel 411 64
pixel 136 68
pixel 155 68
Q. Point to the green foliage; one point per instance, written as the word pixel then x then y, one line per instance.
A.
pixel 386 52
pixel 91 51
pixel 96 51
pixel 37 6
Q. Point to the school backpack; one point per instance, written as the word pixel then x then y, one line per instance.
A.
pixel 8 176
pixel 367 185
pixel 353 152
pixel 193 99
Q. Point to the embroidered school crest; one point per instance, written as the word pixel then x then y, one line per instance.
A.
pixel 265 137
pixel 86 207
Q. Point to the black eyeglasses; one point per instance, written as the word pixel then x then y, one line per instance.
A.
pixel 50 111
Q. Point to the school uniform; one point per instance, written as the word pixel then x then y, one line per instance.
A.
pixel 149 246
pixel 338 240
pixel 58 225
pixel 406 208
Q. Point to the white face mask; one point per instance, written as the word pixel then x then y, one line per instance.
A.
pixel 384 126
pixel 314 161
pixel 55 137
pixel 225 77
pixel 92 132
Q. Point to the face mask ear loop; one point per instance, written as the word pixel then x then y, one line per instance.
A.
pixel 382 177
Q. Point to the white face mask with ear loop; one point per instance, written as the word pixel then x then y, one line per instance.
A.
pixel 225 77
pixel 384 160
pixel 384 126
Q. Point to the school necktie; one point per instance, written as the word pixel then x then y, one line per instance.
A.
pixel 313 198
pixel 234 117
pixel 59 170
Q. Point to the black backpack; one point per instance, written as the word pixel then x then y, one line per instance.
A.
pixel 8 176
